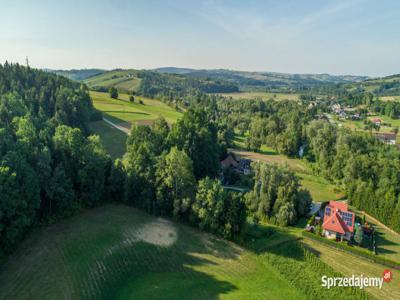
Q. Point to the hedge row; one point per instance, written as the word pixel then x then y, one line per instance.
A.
pixel 355 251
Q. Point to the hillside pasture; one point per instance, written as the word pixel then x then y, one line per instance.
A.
pixel 117 252
pixel 123 80
pixel 121 109
pixel 112 139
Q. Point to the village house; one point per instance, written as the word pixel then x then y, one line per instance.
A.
pixel 377 121
pixel 387 138
pixel 338 221
pixel 241 166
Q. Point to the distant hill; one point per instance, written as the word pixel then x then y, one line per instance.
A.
pixel 153 84
pixel 382 86
pixel 266 80
pixel 77 75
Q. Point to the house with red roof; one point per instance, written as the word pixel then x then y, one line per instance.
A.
pixel 338 221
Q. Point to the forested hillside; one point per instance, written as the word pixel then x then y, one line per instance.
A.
pixel 78 75
pixel 266 81
pixel 157 85
pixel 49 167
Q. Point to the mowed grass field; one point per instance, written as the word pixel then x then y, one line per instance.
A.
pixel 262 95
pixel 349 264
pixel 117 252
pixel 121 110
pixel 113 139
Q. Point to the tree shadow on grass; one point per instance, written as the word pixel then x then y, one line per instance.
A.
pixel 142 270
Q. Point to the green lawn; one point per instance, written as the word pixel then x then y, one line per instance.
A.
pixel 113 140
pixel 117 252
pixel 119 110
pixel 262 95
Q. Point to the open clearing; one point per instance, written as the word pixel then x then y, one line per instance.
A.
pixel 117 252
pixel 261 95
pixel 319 188
pixel 121 110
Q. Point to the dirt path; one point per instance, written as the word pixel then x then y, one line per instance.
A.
pixel 379 223
pixel 118 126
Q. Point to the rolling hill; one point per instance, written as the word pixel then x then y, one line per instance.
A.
pixel 265 80
pixel 383 86
pixel 77 75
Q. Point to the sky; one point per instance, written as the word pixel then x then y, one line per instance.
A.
pixel 358 37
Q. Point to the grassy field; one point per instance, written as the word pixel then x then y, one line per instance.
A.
pixel 123 80
pixel 113 140
pixel 387 241
pixel 117 252
pixel 349 264
pixel 319 188
pixel 121 110
pixel 389 98
pixel 262 95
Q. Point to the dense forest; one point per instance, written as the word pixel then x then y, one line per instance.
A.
pixel 49 166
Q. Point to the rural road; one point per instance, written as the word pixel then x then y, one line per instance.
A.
pixel 119 127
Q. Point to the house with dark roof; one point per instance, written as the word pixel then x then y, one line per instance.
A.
pixel 338 221
pixel 387 138
pixel 229 162
pixel 241 166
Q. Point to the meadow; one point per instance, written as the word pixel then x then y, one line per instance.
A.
pixel 117 252
pixel 123 80
pixel 113 140
pixel 122 110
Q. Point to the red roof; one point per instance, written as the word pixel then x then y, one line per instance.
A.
pixel 376 120
pixel 339 205
pixel 337 218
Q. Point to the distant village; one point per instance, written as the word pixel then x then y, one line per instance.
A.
pixel 343 113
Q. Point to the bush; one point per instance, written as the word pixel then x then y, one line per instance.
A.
pixel 131 99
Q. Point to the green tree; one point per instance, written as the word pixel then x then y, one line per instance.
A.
pixel 196 134
pixel 175 184
pixel 113 92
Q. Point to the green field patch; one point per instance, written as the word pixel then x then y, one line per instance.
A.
pixel 124 110
pixel 117 252
pixel 113 140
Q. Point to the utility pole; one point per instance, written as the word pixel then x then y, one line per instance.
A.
pixel 27 62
